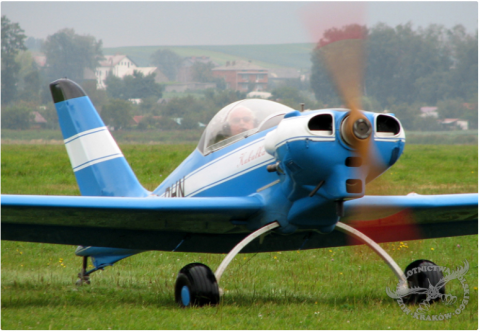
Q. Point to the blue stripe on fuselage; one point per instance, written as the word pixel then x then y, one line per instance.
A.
pixel 74 116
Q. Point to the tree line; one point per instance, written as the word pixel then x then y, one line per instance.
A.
pixel 408 68
pixel 405 69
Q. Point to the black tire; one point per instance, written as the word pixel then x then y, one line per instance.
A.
pixel 196 285
pixel 422 279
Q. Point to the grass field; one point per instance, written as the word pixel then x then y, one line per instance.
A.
pixel 336 288
pixel 49 136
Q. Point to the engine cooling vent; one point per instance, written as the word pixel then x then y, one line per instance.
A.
pixel 321 124
pixel 387 126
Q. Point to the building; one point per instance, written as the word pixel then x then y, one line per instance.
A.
pixel 117 65
pixel 38 121
pixel 279 77
pixel 429 112
pixel 185 73
pixel 40 59
pixel 136 119
pixel 259 95
pixel 120 66
pixel 454 124
pixel 243 76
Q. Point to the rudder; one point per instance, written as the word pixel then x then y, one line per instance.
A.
pixel 98 163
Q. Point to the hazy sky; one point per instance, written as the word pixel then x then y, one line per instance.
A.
pixel 213 23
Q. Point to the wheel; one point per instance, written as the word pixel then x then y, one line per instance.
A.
pixel 81 282
pixel 423 279
pixel 196 285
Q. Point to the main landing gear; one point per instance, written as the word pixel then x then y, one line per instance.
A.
pixel 423 278
pixel 197 285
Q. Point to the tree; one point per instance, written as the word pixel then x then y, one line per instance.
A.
pixel 406 65
pixel 115 87
pixel 69 54
pixel 117 113
pixel 97 96
pixel 136 86
pixel 50 114
pixel 178 107
pixel 463 77
pixel 292 97
pixel 29 78
pixel 12 42
pixel 141 86
pixel 34 43
pixel 321 82
pixel 167 61
pixel 150 106
pixel 189 121
pixel 451 108
pixel 202 72
pixel 17 116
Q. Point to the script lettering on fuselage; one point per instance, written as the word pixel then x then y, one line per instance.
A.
pixel 251 155
pixel 177 189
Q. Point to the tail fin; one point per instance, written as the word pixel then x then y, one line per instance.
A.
pixel 99 165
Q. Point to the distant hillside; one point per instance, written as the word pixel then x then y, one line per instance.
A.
pixel 269 56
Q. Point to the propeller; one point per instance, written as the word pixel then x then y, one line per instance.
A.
pixel 340 34
pixel 339 31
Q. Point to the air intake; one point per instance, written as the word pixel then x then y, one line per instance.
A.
pixel 387 126
pixel 321 124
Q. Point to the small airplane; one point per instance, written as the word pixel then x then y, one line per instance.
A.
pixel 264 177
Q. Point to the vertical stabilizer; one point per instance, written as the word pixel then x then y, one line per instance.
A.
pixel 99 165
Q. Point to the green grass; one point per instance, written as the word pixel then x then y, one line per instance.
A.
pixel 443 137
pixel 54 136
pixel 48 136
pixel 336 288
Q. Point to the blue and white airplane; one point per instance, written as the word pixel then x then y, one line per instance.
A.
pixel 264 177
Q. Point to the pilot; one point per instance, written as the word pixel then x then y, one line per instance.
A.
pixel 240 119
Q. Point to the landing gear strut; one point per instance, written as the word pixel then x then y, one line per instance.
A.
pixel 421 279
pixel 84 275
pixel 403 285
pixel 196 284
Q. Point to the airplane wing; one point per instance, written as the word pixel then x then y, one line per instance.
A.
pixel 120 222
pixel 215 224
pixel 400 218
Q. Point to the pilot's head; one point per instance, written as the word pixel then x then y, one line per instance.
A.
pixel 241 119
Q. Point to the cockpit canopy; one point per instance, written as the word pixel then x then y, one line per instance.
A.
pixel 240 120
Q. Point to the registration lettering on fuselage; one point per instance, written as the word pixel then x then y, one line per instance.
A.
pixel 176 190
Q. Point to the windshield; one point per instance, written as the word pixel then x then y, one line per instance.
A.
pixel 239 120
